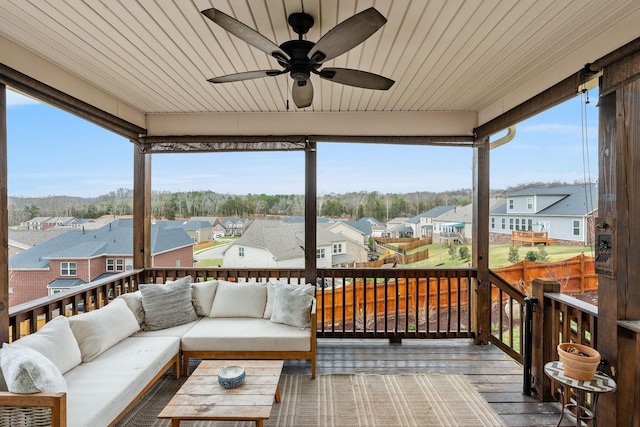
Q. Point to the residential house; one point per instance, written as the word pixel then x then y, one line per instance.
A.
pixel 357 240
pixel 78 256
pixel 360 230
pixel 276 244
pixel 36 223
pixel 565 212
pixel 57 221
pixel 198 230
pixel 455 225
pixel 235 226
pixel 397 227
pixel 422 224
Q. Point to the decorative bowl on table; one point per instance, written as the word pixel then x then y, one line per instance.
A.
pixel 231 376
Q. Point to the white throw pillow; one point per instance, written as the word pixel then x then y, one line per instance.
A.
pixel 56 342
pixel 99 330
pixel 271 296
pixel 167 305
pixel 134 302
pixel 202 294
pixel 28 371
pixel 292 304
pixel 239 300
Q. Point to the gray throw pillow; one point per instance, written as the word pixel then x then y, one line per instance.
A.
pixel 167 305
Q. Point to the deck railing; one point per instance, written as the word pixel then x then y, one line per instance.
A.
pixel 507 317
pixel 390 303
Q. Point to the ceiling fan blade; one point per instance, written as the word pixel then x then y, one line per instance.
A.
pixel 357 78
pixel 347 35
pixel 246 75
pixel 245 33
pixel 302 94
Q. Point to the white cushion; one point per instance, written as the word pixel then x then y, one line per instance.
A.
pixel 202 294
pixel 271 295
pixel 56 342
pixel 134 302
pixel 292 304
pixel 28 371
pixel 245 334
pixel 100 390
pixel 167 305
pixel 99 330
pixel 239 300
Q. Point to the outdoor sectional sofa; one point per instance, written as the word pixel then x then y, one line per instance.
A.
pixel 92 368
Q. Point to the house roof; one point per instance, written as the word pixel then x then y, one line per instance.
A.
pixel 28 238
pixel 364 225
pixel 114 239
pixel 283 240
pixel 65 283
pixel 456 65
pixel 578 199
pixel 464 213
pixel 431 213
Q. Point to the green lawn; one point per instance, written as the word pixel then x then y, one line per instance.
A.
pixel 498 255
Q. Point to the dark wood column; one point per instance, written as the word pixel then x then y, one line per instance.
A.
pixel 141 208
pixel 4 221
pixel 480 244
pixel 310 213
pixel 619 221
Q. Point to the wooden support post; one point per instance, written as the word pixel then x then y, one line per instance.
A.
pixel 480 242
pixel 310 213
pixel 4 221
pixel 618 207
pixel 543 350
pixel 141 208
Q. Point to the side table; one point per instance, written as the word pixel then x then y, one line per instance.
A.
pixel 600 383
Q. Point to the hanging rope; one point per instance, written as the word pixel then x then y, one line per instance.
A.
pixel 586 167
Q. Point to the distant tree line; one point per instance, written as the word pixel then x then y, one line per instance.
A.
pixel 352 205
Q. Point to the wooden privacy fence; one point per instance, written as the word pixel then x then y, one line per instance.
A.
pixel 575 275
pixel 417 298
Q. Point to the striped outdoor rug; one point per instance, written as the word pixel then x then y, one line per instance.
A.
pixel 349 401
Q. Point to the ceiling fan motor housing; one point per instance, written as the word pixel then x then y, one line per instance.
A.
pixel 300 64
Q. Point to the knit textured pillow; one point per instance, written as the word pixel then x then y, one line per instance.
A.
pixel 167 305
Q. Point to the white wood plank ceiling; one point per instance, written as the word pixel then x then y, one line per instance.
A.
pixel 155 56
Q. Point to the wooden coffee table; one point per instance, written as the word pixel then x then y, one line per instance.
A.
pixel 202 398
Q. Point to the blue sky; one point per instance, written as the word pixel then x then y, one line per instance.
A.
pixel 54 153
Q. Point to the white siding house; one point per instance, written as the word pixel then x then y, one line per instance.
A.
pixel 564 212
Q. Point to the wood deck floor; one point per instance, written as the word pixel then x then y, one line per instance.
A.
pixel 494 374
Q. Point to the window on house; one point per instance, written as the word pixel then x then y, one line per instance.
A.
pixel 128 264
pixel 529 203
pixel 529 225
pixel 576 227
pixel 337 248
pixel 119 264
pixel 493 223
pixel 110 264
pixel 517 223
pixel 504 223
pixel 510 223
pixel 320 253
pixel 241 252
pixel 68 269
pixel 510 204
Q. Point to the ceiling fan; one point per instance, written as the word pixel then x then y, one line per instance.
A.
pixel 300 58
